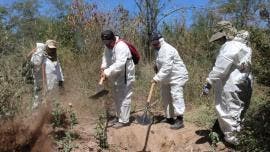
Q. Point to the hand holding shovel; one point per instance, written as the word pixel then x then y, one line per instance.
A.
pixel 147 117
pixel 100 91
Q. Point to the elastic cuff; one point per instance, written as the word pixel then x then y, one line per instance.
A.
pixel 156 78
pixel 209 81
pixel 107 72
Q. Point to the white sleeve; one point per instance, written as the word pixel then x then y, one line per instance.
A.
pixel 166 58
pixel 121 55
pixel 223 65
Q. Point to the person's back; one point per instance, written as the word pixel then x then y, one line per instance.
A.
pixel 238 54
pixel 178 70
pixel 37 58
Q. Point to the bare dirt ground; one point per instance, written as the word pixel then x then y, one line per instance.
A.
pixel 27 134
pixel 160 138
pixel 34 133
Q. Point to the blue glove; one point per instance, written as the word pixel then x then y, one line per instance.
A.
pixel 206 89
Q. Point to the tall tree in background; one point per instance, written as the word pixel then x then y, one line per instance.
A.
pixel 23 20
pixel 265 12
pixel 5 33
pixel 148 14
pixel 241 12
pixel 151 13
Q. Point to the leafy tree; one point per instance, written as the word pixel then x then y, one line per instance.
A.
pixel 241 12
pixel 148 14
pixel 5 44
pixel 24 20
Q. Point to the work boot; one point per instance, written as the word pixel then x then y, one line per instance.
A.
pixel 168 120
pixel 178 123
pixel 112 122
pixel 120 125
pixel 216 128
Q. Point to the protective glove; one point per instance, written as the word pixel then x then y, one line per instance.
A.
pixel 206 88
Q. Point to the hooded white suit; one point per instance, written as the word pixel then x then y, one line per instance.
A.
pixel 120 70
pixel 37 59
pixel 231 78
pixel 172 75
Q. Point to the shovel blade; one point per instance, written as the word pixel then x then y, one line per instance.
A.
pixel 99 94
pixel 145 119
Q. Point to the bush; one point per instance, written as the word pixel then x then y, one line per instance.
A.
pixel 261 53
pixel 12 86
pixel 255 135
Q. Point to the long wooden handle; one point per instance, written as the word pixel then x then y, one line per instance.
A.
pixel 101 80
pixel 150 92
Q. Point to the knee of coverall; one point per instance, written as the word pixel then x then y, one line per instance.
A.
pixel 165 94
pixel 232 103
pixel 122 93
pixel 230 107
pixel 178 99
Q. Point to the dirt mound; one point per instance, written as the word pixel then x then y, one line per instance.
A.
pixel 160 138
pixel 24 134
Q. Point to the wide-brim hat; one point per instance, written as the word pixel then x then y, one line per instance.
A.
pixel 51 44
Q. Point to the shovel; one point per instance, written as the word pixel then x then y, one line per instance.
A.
pixel 147 117
pixel 101 91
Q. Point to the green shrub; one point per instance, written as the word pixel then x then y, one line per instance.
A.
pixel 255 135
pixel 261 53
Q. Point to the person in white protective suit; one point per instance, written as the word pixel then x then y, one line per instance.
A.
pixel 47 70
pixel 118 67
pixel 172 75
pixel 231 78
pixel 53 70
pixel 37 58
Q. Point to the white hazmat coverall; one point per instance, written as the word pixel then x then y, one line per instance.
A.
pixel 120 71
pixel 37 59
pixel 53 72
pixel 231 78
pixel 172 75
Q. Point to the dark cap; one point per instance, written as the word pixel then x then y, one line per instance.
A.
pixel 155 36
pixel 107 35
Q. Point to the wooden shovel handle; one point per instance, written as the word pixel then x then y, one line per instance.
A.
pixel 150 92
pixel 101 80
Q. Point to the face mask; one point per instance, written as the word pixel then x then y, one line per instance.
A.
pixel 52 53
pixel 109 46
pixel 108 43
